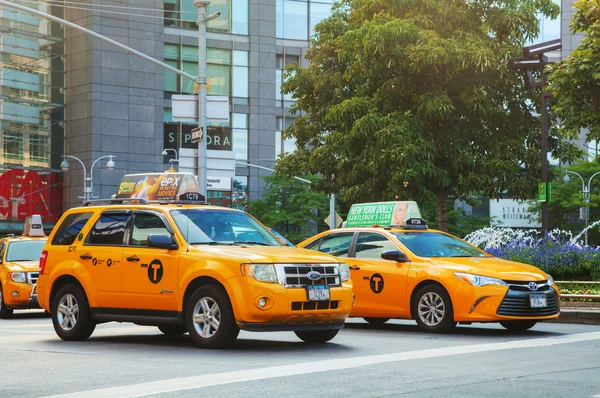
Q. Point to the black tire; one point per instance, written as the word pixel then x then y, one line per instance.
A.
pixel 227 330
pixel 441 323
pixel 5 312
pixel 78 324
pixel 173 330
pixel 518 326
pixel 376 321
pixel 317 336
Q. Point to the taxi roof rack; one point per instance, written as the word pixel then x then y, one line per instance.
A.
pixel 114 201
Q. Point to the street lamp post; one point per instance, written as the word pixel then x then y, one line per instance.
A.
pixel 585 190
pixel 87 179
pixel 534 59
pixel 331 196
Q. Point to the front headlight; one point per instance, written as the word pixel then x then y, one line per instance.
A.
pixel 260 272
pixel 344 272
pixel 550 280
pixel 20 277
pixel 477 280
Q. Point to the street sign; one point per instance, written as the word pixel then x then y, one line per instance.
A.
pixel 544 191
pixel 185 108
pixel 197 135
pixel 338 220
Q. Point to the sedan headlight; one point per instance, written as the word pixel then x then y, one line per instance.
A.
pixel 477 280
pixel 344 272
pixel 550 280
pixel 260 272
pixel 20 277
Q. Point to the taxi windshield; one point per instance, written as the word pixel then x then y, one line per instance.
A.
pixel 214 227
pixel 434 244
pixel 26 250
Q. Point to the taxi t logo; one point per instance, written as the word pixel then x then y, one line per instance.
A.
pixel 155 271
pixel 376 283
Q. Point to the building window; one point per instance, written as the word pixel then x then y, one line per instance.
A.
pixel 281 61
pixel 240 192
pixel 293 17
pixel 38 148
pixel 240 136
pixel 13 146
pixel 240 74
pixel 233 19
pixel 172 13
pixel 283 145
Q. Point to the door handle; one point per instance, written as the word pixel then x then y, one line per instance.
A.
pixel 133 258
pixel 86 256
pixel 354 267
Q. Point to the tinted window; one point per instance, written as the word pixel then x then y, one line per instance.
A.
pixel 70 228
pixel 371 245
pixel 2 248
pixel 337 244
pixel 109 230
pixel 145 224
pixel 27 250
pixel 434 244
pixel 314 245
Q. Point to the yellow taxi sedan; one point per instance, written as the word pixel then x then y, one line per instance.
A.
pixel 401 269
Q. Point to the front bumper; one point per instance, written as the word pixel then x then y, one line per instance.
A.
pixel 499 303
pixel 19 295
pixel 287 308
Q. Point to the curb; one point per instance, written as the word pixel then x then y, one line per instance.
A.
pixel 582 316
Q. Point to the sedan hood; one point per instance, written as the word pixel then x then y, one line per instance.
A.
pixel 269 254
pixel 493 267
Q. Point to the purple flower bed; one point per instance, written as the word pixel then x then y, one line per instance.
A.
pixel 563 260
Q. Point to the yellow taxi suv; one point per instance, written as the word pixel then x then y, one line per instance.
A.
pixel 185 268
pixel 403 270
pixel 19 260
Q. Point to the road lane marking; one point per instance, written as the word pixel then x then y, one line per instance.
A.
pixel 209 380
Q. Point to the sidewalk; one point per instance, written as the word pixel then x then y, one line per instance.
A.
pixel 580 313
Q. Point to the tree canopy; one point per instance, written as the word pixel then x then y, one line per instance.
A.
pixel 575 82
pixel 408 97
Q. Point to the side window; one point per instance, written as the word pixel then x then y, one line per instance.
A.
pixel 109 230
pixel 314 245
pixel 2 250
pixel 69 229
pixel 371 245
pixel 145 224
pixel 337 244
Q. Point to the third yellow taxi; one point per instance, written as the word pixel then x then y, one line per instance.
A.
pixel 401 269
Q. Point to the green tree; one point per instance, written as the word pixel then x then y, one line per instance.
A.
pixel 290 207
pixel 405 98
pixel 575 82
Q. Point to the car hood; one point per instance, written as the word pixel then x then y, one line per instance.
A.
pixel 269 254
pixel 493 267
pixel 23 266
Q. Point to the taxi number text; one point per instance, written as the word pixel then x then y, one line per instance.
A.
pixel 317 293
pixel 538 301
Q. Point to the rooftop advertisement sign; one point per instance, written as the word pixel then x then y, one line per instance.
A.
pixel 382 214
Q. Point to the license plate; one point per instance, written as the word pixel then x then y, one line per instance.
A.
pixel 318 293
pixel 538 301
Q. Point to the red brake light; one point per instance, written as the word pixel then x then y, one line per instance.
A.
pixel 43 258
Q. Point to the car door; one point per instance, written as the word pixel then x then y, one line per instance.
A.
pixel 101 254
pixel 149 273
pixel 380 285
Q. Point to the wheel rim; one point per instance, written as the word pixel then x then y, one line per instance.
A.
pixel 207 317
pixel 67 312
pixel 431 309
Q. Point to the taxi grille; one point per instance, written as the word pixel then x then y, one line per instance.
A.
pixel 32 277
pixel 314 305
pixel 296 275
pixel 516 303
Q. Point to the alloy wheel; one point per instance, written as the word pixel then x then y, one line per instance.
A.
pixel 68 312
pixel 207 317
pixel 431 309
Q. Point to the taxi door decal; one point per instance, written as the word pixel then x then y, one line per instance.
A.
pixel 376 283
pixel 155 270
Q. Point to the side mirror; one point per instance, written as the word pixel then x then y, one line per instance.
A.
pixel 395 255
pixel 162 242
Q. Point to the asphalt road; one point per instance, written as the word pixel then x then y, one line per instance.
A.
pixel 125 360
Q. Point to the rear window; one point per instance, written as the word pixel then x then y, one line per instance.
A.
pixel 70 228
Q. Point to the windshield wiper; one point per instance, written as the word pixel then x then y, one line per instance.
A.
pixel 249 242
pixel 461 255
pixel 212 243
